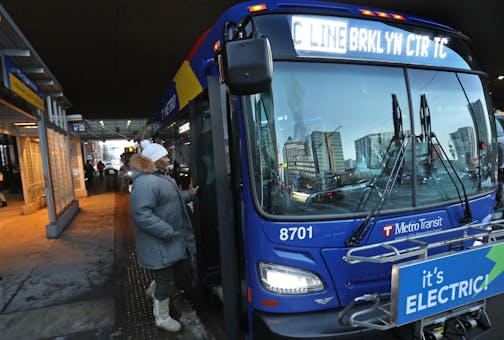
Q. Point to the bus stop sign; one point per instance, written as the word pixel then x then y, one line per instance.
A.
pixel 78 127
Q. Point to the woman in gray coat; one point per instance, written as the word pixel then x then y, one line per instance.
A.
pixel 163 231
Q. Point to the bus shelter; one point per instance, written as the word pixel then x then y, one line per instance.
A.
pixel 39 156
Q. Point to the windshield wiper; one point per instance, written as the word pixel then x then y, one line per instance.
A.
pixel 429 137
pixel 395 172
pixel 397 140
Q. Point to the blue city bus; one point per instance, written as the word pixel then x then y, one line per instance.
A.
pixel 346 159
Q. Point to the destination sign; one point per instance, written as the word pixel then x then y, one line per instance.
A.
pixel 370 40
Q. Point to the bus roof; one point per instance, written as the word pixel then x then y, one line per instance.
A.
pixel 190 79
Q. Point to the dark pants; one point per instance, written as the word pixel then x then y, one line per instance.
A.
pixel 499 200
pixel 168 278
pixel 89 182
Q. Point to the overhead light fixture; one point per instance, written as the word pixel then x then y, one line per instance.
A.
pixel 32 69
pixel 500 77
pixel 47 82
pixel 76 117
pixel 15 52
pixel 184 127
pixel 25 124
pixel 54 94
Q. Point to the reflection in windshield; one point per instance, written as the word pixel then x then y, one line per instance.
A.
pixel 324 144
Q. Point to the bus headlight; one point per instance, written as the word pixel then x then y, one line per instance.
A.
pixel 287 280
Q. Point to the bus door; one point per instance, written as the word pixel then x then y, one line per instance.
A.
pixel 203 175
pixel 216 231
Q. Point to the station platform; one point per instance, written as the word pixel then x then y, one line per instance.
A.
pixel 86 284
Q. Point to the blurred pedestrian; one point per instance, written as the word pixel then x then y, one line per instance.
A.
pixel 89 173
pixel 125 175
pixel 163 232
pixel 100 166
pixel 3 187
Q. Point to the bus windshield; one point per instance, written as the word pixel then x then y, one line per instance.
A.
pixel 336 139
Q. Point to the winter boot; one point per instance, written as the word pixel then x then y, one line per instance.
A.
pixel 152 288
pixel 162 318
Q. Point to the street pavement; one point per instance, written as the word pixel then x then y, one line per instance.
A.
pixel 74 287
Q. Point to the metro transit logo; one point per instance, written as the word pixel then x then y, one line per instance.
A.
pixel 388 230
pixel 415 226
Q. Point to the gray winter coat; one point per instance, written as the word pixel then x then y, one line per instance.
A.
pixel 163 231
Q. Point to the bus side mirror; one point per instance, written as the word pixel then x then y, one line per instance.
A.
pixel 247 66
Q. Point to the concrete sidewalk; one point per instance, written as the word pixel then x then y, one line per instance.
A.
pixel 62 286
pixel 86 284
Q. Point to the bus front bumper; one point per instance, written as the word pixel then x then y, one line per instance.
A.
pixel 314 325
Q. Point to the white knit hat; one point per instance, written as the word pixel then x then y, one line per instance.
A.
pixel 144 143
pixel 154 151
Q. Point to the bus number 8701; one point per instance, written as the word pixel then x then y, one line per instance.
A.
pixel 299 233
